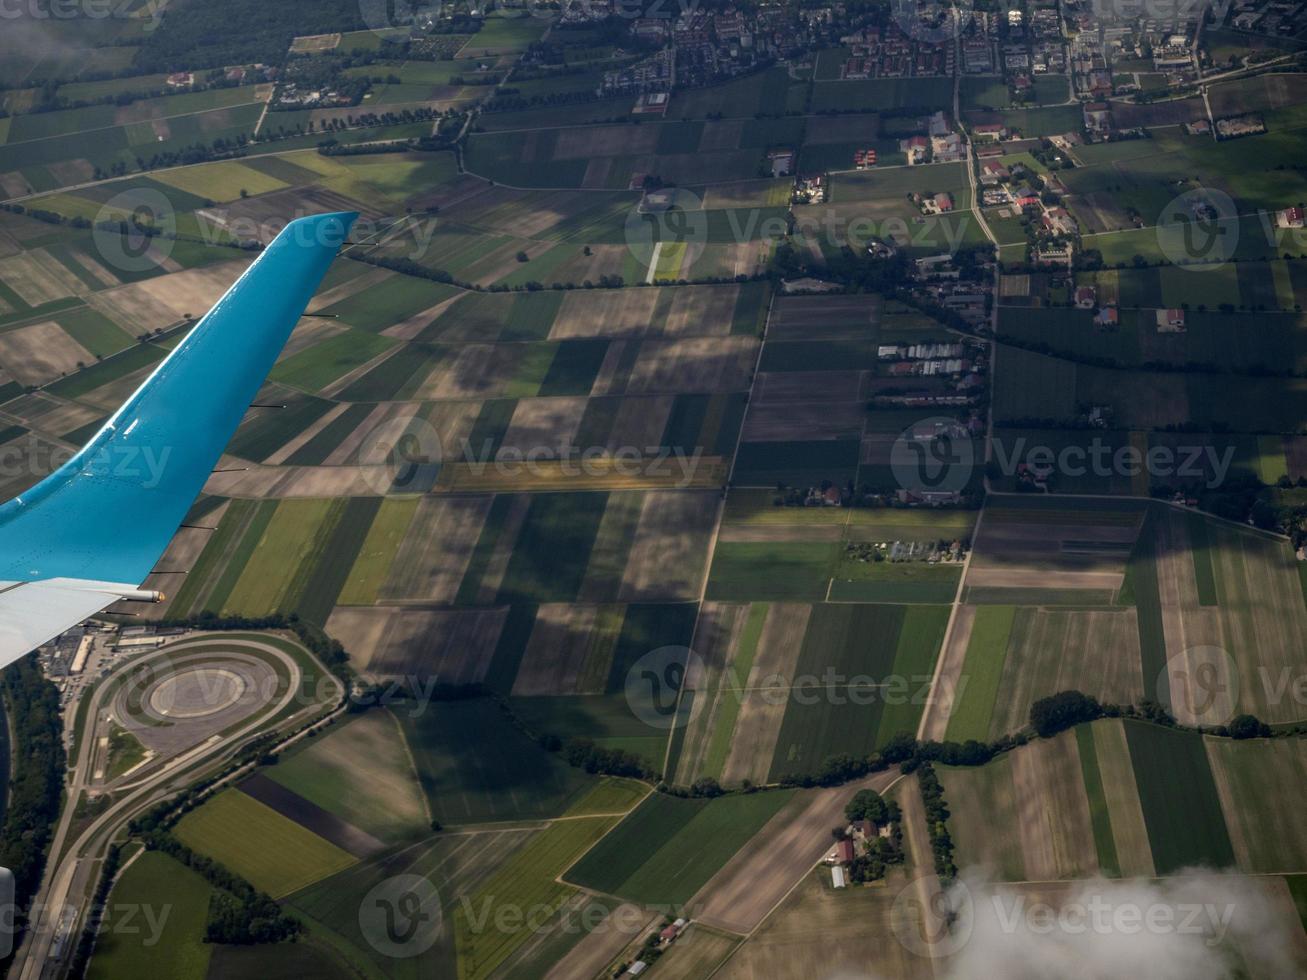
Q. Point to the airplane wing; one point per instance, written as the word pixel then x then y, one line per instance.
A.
pixel 89 533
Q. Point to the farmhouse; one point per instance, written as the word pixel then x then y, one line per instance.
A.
pixel 1098 117
pixel 1059 221
pixel 994 173
pixel 841 853
pixel 1026 198
pixel 946 148
pixel 671 931
pixel 915 148
pixel 1170 321
pixel 809 190
pixel 1086 297
pixel 944 202
pixel 1290 218
pixel 990 131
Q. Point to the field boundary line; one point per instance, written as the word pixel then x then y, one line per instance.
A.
pixel 408 754
pixel 948 630
pixel 1272 535
pixel 721 514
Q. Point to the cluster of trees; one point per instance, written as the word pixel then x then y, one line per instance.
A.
pixel 836 770
pixel 1048 717
pixel 941 842
pixel 509 100
pixel 881 852
pixel 239 32
pixel 333 148
pixel 867 804
pixel 36 783
pixel 239 914
pixel 1066 709
pixel 583 753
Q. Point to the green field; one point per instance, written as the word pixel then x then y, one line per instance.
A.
pixel 370 567
pixel 272 852
pixel 669 847
pixel 1261 783
pixel 317 366
pixel 553 548
pixel 526 882
pixel 981 671
pixel 475 766
pixel 838 688
pixel 178 899
pixel 1182 808
pixel 1099 814
pixel 361 772
pixel 772 570
pixel 97 333
pixel 390 301
pixel 277 573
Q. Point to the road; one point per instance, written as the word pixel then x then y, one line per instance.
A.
pixel 930 725
pixel 68 878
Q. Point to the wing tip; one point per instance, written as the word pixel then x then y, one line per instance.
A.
pixel 330 229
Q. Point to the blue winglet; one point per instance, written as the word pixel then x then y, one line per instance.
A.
pixel 110 511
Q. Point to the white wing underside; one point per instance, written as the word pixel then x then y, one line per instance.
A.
pixel 32 613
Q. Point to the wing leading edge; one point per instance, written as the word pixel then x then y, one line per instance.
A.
pixel 93 530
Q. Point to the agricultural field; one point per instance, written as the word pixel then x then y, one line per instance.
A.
pixel 529 879
pixel 271 851
pixel 475 766
pixel 1124 799
pixel 665 850
pixel 517 448
pixel 785 685
pixel 1037 794
pixel 863 922
pixel 155 881
pixel 363 773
